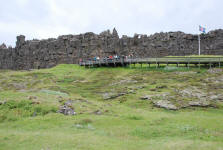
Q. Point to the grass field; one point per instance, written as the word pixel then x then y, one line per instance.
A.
pixel 209 56
pixel 28 119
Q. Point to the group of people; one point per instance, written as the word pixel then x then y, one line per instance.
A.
pixel 111 57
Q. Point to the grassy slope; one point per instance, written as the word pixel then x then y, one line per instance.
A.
pixel 198 56
pixel 126 122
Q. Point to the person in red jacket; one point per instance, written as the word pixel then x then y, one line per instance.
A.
pixel 110 57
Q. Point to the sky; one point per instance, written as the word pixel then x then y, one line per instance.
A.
pixel 42 19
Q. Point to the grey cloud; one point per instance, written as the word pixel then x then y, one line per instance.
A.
pixel 51 18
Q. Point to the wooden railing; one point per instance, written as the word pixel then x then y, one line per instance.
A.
pixel 163 60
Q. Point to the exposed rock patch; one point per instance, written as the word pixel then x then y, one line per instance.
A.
pixel 165 104
pixel 32 97
pixel 146 97
pixel 192 92
pixel 186 73
pixel 125 81
pixel 215 70
pixel 67 108
pixel 97 112
pixel 187 97
pixel 200 103
pixel 18 86
pixel 2 102
pixel 107 96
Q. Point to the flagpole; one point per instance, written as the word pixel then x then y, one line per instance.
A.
pixel 199 45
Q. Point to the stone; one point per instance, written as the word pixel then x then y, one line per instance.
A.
pixel 161 86
pixel 97 112
pixel 146 97
pixel 69 103
pixel 214 97
pixel 2 102
pixel 32 97
pixel 165 104
pixel 192 92
pixel 18 86
pixel 66 110
pixel 107 96
pixel 200 103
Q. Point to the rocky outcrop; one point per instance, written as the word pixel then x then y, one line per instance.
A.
pixel 3 46
pixel 165 104
pixel 69 49
pixel 67 109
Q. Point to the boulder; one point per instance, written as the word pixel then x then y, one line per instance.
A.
pixel 66 110
pixel 165 104
pixel 145 97
pixel 1 103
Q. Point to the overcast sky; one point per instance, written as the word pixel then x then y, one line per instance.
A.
pixel 50 18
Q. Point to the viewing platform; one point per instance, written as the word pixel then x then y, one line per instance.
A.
pixel 187 61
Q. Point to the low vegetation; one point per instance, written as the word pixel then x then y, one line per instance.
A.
pixel 116 108
pixel 209 56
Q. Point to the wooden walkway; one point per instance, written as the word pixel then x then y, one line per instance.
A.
pixel 187 61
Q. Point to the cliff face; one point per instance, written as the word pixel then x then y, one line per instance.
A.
pixel 69 49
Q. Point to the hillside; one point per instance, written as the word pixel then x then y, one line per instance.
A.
pixel 115 108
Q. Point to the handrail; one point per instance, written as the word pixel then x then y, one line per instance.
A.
pixel 155 60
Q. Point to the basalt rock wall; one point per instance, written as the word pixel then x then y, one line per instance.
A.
pixel 68 49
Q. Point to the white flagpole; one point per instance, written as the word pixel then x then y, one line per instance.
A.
pixel 199 45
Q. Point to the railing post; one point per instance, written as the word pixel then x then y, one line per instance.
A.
pixel 114 62
pixel 156 63
pixel 122 61
pixel 188 63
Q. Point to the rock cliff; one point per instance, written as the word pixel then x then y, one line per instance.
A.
pixel 68 49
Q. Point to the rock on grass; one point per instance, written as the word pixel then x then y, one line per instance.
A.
pixel 165 104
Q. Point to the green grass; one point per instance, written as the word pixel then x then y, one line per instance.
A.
pixel 28 119
pixel 198 56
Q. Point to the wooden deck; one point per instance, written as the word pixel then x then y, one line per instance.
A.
pixel 187 61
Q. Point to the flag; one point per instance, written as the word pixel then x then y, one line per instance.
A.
pixel 202 29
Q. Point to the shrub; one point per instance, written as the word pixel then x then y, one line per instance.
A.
pixel 16 109
pixel 134 117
